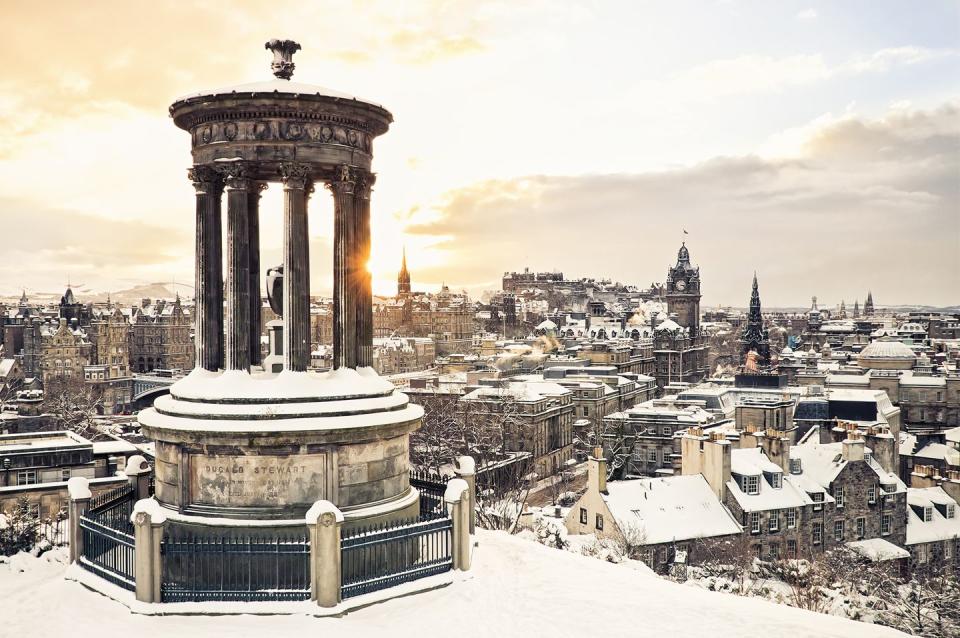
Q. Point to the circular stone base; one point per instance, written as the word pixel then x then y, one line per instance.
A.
pixel 267 446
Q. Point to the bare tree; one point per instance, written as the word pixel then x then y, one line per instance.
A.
pixel 927 604
pixel 72 405
pixel 500 502
pixel 732 558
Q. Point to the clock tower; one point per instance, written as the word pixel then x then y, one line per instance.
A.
pixel 683 291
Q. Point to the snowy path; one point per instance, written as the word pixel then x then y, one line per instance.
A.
pixel 519 588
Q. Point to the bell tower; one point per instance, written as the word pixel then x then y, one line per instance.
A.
pixel 683 291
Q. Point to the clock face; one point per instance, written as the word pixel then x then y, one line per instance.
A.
pixel 681 285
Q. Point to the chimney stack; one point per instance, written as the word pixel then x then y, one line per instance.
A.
pixel 717 454
pixel 597 470
pixel 884 447
pixel 951 484
pixel 853 447
pixel 776 445
pixel 924 476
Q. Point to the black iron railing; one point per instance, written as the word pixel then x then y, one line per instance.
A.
pixel 431 487
pixel 108 552
pixel 377 558
pixel 274 566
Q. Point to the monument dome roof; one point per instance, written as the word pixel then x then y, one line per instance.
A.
pixel 275 86
pixel 887 350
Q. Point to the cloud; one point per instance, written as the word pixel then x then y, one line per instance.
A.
pixel 749 74
pixel 807 14
pixel 866 204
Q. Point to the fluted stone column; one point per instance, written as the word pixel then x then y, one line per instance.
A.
pixel 239 193
pixel 364 299
pixel 296 266
pixel 344 270
pixel 208 282
pixel 253 230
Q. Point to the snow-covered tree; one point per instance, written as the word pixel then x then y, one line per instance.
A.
pixel 18 528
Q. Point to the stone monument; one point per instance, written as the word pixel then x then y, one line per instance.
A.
pixel 236 441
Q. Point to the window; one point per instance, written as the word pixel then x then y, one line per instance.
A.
pixel 861 527
pixel 947 550
pixel 776 480
pixel 65 475
pixel 774 551
pixel 885 525
pixel 791 518
pixel 927 514
pixel 838 496
pixel 817 501
pixel 751 484
pixel 872 494
pixel 922 553
pixel 26 477
pixel 754 522
pixel 599 522
pixel 665 430
pixel 773 525
pixel 951 510
pixel 817 532
pixel 838 530
pixel 795 466
pixel 652 456
pixel 583 515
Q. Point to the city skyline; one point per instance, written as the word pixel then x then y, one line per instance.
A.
pixel 568 137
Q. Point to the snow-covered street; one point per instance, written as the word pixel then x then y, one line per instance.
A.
pixel 517 588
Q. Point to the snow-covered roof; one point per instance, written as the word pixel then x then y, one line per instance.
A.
pixel 940 452
pixel 939 527
pixel 546 325
pixel 887 350
pixel 878 549
pixel 669 325
pixel 822 462
pixel 6 365
pixel 753 461
pixel 671 508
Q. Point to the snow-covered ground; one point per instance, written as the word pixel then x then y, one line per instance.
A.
pixel 518 588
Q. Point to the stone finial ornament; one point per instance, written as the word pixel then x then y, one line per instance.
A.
pixel 283 50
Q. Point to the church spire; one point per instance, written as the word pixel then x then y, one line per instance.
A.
pixel 403 278
pixel 754 336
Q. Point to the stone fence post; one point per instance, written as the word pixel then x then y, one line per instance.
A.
pixel 324 522
pixel 458 503
pixel 138 474
pixel 467 470
pixel 148 519
pixel 79 490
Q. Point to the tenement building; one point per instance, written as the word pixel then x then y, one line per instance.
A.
pixel 160 336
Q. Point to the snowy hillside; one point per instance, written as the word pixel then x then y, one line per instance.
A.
pixel 518 588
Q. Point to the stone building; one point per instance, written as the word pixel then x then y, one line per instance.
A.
pixel 627 356
pixel 160 337
pixel 665 516
pixel 797 501
pixel 645 434
pixel 109 371
pixel 403 354
pixel 933 520
pixel 61 351
pixel 536 417
pixel 680 355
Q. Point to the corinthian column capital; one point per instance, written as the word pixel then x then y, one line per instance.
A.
pixel 295 176
pixel 237 175
pixel 205 179
pixel 343 181
pixel 364 183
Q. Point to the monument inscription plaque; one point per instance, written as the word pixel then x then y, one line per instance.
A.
pixel 258 481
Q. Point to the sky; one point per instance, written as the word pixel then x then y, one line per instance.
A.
pixel 817 143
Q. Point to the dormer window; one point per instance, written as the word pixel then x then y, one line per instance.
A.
pixel 795 467
pixel 951 510
pixel 817 498
pixel 927 514
pixel 750 484
pixel 775 479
